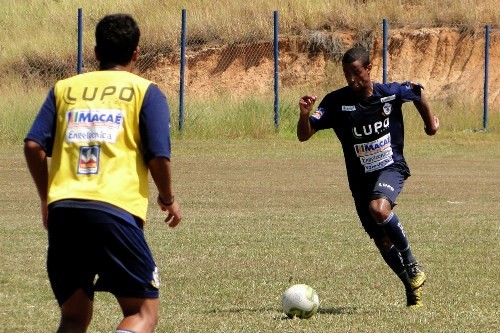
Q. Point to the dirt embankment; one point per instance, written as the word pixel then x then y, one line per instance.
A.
pixel 448 62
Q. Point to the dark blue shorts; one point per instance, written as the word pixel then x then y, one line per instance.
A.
pixel 388 184
pixel 86 243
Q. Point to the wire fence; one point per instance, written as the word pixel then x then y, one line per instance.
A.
pixel 449 61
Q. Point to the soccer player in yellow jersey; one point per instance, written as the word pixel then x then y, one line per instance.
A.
pixel 103 130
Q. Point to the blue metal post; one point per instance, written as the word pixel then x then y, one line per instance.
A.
pixel 276 71
pixel 80 33
pixel 486 72
pixel 384 51
pixel 183 69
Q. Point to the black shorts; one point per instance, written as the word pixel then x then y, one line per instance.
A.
pixel 388 184
pixel 86 243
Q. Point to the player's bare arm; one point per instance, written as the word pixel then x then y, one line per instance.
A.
pixel 160 171
pixel 304 130
pixel 431 122
pixel 36 158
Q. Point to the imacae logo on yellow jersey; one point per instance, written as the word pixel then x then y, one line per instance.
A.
pixel 102 125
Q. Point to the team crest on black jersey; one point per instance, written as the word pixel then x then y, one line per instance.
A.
pixel 318 113
pixel 387 109
pixel 88 161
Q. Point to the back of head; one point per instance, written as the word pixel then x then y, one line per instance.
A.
pixel 117 37
pixel 355 54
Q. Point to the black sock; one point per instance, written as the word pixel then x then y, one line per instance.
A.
pixel 393 259
pixel 396 234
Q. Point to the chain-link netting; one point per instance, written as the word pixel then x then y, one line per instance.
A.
pixel 448 60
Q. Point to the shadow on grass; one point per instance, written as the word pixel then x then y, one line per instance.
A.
pixel 282 316
pixel 326 311
pixel 239 310
pixel 338 310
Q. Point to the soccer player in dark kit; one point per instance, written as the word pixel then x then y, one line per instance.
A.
pixel 367 119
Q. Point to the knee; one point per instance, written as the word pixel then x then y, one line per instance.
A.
pixel 380 210
pixel 149 322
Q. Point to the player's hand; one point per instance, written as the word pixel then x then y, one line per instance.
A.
pixel 306 104
pixel 431 130
pixel 174 216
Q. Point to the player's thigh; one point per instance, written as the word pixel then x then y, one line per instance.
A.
pixel 362 204
pixel 145 306
pixel 77 308
pixel 139 314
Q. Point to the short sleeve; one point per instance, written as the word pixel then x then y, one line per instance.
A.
pixel 322 117
pixel 410 91
pixel 44 127
pixel 154 124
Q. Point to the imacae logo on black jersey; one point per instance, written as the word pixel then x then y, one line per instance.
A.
pixel 370 129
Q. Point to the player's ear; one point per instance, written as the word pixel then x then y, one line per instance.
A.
pixel 136 54
pixel 369 68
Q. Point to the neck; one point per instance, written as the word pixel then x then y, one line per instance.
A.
pixel 368 92
pixel 114 67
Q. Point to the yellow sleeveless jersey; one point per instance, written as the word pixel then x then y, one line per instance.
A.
pixel 97 144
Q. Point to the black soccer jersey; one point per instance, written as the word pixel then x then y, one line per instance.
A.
pixel 371 130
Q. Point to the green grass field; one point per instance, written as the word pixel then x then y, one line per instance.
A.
pixel 260 215
pixel 261 210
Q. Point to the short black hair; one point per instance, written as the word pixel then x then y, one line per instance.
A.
pixel 355 54
pixel 117 37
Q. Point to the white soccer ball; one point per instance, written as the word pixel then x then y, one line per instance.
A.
pixel 300 301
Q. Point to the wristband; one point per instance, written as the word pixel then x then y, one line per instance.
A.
pixel 166 203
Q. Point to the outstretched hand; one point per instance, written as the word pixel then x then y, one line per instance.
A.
pixel 306 104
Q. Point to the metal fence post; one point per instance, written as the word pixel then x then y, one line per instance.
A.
pixel 384 51
pixel 80 34
pixel 276 71
pixel 486 69
pixel 182 73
